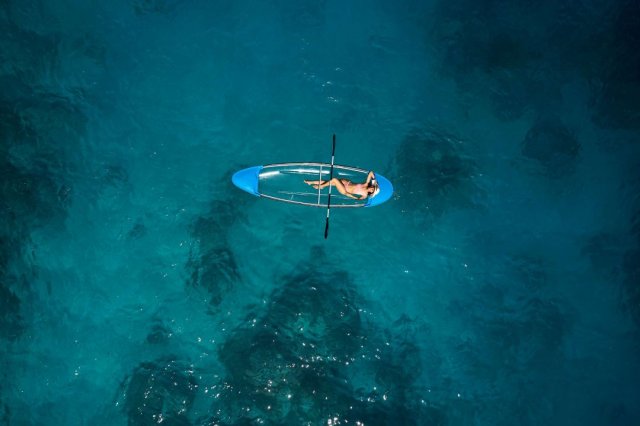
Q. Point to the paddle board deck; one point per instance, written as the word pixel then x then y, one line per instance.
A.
pixel 285 182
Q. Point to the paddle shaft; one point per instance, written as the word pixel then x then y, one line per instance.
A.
pixel 333 153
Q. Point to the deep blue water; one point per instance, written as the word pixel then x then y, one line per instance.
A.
pixel 499 286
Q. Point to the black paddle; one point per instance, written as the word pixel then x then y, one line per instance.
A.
pixel 333 153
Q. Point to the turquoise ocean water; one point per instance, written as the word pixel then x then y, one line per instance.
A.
pixel 499 286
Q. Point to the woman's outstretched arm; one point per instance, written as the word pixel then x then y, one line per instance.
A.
pixel 370 176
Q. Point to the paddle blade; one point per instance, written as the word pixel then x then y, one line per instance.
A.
pixel 326 229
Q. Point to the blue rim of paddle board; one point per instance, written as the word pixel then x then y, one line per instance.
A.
pixel 386 191
pixel 247 180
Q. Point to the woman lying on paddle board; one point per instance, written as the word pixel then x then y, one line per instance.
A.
pixel 357 191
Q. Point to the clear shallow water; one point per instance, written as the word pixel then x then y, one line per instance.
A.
pixel 499 286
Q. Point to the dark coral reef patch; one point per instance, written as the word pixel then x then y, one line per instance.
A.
pixel 311 355
pixel 212 265
pixel 552 145
pixel 434 175
pixel 160 392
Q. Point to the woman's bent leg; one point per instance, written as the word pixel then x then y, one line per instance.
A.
pixel 339 186
pixel 319 184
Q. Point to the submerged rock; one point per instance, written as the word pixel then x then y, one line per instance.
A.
pixel 436 176
pixel 605 252
pixel 159 333
pixel 292 362
pixel 215 271
pixel 160 392
pixel 212 264
pixel 616 99
pixel 309 356
pixel 551 143
pixel 138 231
pixel 11 324
pixel 31 199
